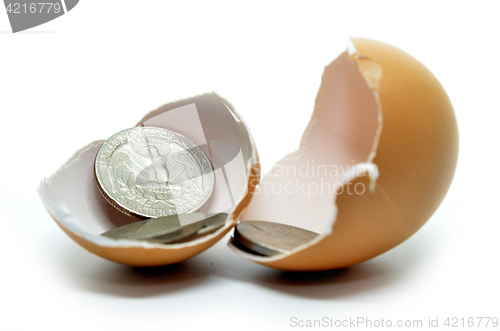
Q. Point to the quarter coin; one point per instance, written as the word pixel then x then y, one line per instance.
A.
pixel 269 238
pixel 158 230
pixel 168 229
pixel 210 224
pixel 151 172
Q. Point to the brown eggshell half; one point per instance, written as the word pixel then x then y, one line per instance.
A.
pixel 384 118
pixel 72 198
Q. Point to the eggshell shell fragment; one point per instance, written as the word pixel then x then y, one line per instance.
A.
pixel 72 198
pixel 381 111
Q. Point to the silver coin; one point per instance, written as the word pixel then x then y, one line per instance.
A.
pixel 159 230
pixel 269 238
pixel 210 224
pixel 152 172
pixel 168 229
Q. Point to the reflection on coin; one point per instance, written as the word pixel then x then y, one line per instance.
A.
pixel 268 238
pixel 168 229
pixel 152 172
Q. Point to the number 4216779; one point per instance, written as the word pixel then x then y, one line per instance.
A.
pixel 455 322
pixel 34 8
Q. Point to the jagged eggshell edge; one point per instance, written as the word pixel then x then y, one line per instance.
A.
pixel 136 253
pixel 409 170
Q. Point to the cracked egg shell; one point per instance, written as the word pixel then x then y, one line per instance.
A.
pixel 387 125
pixel 73 200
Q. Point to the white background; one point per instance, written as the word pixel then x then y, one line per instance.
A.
pixel 102 66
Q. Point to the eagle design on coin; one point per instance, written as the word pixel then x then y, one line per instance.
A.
pixel 152 172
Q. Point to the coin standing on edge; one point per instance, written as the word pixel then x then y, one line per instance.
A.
pixel 269 238
pixel 150 172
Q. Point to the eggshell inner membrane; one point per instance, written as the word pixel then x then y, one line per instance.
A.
pixel 71 194
pixel 300 189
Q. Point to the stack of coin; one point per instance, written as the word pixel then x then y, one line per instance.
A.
pixel 269 238
pixel 168 229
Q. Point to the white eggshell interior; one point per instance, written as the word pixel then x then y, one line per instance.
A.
pixel 71 194
pixel 300 189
